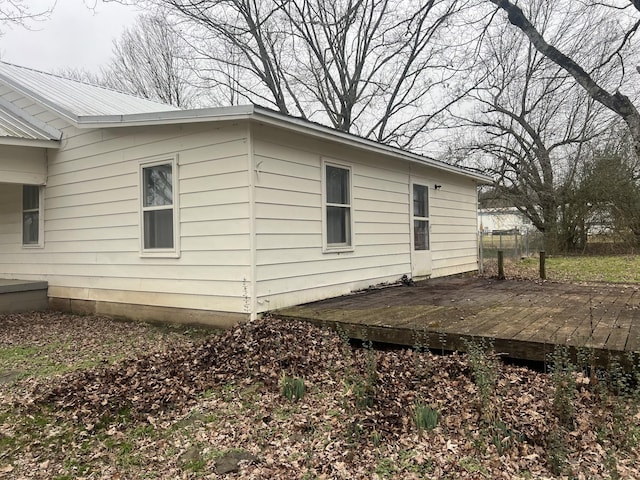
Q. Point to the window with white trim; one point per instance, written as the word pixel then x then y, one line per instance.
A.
pixel 420 217
pixel 159 219
pixel 31 215
pixel 338 206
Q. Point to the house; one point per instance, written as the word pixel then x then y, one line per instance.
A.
pixel 128 207
pixel 502 219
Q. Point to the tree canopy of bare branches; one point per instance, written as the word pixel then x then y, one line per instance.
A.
pixel 19 12
pixel 617 27
pixel 150 60
pixel 383 69
pixel 533 124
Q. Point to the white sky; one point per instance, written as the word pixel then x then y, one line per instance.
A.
pixel 75 35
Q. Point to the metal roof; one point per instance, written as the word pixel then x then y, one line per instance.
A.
pixel 91 106
pixel 73 98
pixel 17 127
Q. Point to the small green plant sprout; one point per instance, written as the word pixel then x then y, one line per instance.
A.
pixel 484 372
pixel 293 388
pixel 563 379
pixel 426 417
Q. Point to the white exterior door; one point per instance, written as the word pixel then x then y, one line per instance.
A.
pixel 420 231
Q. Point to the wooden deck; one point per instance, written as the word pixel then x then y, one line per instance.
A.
pixel 523 319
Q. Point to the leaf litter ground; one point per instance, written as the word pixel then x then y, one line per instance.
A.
pixel 130 400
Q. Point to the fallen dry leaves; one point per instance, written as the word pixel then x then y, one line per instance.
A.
pixel 169 405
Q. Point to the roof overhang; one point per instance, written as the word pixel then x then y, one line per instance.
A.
pixel 270 117
pixel 18 127
pixel 25 142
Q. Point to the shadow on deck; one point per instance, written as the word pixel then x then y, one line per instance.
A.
pixel 22 295
pixel 523 319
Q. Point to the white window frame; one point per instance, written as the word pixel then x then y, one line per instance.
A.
pixel 161 252
pixel 40 242
pixel 337 247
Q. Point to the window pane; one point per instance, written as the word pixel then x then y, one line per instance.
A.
pixel 30 197
pixel 158 228
pixel 420 201
pixel 30 228
pixel 158 188
pixel 338 225
pixel 420 235
pixel 338 185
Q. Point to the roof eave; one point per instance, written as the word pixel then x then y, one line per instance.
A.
pixel 321 131
pixel 169 117
pixel 28 142
pixel 269 117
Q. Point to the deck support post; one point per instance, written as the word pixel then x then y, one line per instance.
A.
pixel 543 269
pixel 501 265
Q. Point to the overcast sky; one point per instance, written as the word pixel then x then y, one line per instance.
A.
pixel 74 36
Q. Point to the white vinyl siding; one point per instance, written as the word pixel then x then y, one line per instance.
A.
pixel 453 220
pixel 93 228
pixel 23 165
pixel 292 265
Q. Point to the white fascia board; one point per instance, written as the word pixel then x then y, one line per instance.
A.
pixel 170 117
pixel 26 142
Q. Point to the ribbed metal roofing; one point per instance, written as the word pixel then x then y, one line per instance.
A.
pixel 14 126
pixel 73 98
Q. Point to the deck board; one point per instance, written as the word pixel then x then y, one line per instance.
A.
pixel 523 319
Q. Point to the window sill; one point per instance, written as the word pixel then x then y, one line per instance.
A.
pixel 33 246
pixel 159 254
pixel 338 249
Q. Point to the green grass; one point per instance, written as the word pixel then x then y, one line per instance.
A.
pixel 18 362
pixel 610 268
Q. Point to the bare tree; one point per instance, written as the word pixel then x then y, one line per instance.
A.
pixel 626 25
pixel 379 68
pixel 19 12
pixel 533 123
pixel 150 61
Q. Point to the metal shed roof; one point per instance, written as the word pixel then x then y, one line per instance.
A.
pixel 72 98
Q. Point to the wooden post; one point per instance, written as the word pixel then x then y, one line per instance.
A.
pixel 543 270
pixel 501 265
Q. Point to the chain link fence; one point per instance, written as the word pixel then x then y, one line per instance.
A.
pixel 514 243
pixel 517 245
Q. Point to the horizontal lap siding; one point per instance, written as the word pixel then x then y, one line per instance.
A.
pixel 453 217
pixel 92 222
pixel 23 165
pixel 290 265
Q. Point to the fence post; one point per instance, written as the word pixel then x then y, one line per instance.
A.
pixel 501 265
pixel 543 269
